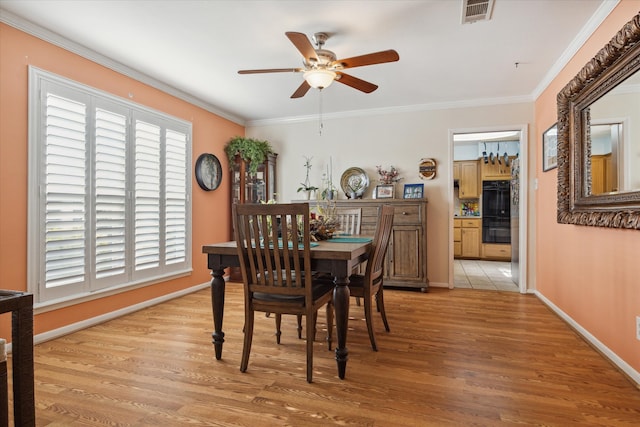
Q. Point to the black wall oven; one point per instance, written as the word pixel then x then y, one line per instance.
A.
pixel 496 221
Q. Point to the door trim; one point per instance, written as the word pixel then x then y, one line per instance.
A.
pixel 524 198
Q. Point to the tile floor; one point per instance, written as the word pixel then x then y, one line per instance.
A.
pixel 476 274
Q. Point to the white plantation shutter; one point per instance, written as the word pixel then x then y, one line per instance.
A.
pixel 110 194
pixel 147 196
pixel 65 206
pixel 110 188
pixel 176 173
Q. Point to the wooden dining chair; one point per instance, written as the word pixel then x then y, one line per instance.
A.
pixel 275 260
pixel 369 285
pixel 349 219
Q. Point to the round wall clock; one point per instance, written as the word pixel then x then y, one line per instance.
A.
pixel 208 172
pixel 427 168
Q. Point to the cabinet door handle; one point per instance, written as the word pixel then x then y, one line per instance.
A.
pixel 404 213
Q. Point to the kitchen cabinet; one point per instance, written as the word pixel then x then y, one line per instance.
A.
pixel 470 238
pixel 406 260
pixel 468 231
pixel 457 238
pixel 601 174
pixel 496 251
pixel 495 171
pixel 468 183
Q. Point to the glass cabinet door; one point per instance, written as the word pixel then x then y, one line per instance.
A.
pixel 247 188
pixel 255 186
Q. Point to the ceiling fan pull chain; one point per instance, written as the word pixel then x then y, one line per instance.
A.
pixel 321 124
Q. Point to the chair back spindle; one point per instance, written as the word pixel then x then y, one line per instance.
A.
pixel 276 248
pixel 349 220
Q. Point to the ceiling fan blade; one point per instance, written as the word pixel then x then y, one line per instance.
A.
pixel 356 83
pixel 369 59
pixel 302 90
pixel 304 46
pixel 272 70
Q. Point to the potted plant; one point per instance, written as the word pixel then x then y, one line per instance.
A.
pixel 254 152
pixel 388 176
pixel 306 185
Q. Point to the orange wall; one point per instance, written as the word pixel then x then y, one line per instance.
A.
pixel 592 274
pixel 211 217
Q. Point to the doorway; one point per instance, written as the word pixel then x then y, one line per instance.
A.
pixel 500 155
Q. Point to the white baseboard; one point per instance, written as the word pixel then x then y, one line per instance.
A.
pixel 606 351
pixel 49 335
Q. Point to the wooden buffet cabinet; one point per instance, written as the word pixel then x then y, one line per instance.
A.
pixel 406 260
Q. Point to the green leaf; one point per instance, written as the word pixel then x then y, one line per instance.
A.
pixel 253 151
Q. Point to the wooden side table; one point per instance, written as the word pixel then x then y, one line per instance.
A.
pixel 20 304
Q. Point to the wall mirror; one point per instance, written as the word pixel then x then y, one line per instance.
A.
pixel 599 137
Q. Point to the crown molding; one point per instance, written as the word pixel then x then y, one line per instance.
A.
pixel 83 51
pixel 592 24
pixel 395 110
pixel 28 27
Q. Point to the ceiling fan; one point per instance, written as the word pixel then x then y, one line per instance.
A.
pixel 321 68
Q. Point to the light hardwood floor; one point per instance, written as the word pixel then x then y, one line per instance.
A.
pixel 453 357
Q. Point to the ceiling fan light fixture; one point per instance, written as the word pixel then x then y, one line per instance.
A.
pixel 319 78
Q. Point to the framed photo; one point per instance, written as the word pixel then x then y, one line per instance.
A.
pixel 413 191
pixel 384 191
pixel 550 148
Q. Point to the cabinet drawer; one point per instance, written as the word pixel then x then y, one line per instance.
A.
pixel 457 223
pixel 496 251
pixel 470 223
pixel 407 215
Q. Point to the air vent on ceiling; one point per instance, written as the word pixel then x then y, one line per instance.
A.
pixel 476 10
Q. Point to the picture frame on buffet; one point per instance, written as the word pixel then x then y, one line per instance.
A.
pixel 384 191
pixel 413 191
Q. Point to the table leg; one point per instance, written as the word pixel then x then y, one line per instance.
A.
pixel 217 303
pixel 341 295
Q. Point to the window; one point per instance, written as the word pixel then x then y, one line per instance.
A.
pixel 109 191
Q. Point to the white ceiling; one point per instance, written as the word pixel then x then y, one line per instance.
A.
pixel 197 47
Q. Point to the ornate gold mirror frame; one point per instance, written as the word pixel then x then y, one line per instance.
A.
pixel 614 63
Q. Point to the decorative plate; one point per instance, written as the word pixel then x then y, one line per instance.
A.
pixel 354 181
pixel 208 172
pixel 427 168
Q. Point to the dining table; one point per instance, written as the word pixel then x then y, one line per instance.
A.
pixel 337 257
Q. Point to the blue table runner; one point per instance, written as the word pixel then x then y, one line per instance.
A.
pixel 350 239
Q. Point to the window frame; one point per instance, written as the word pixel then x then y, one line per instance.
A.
pixel 41 81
